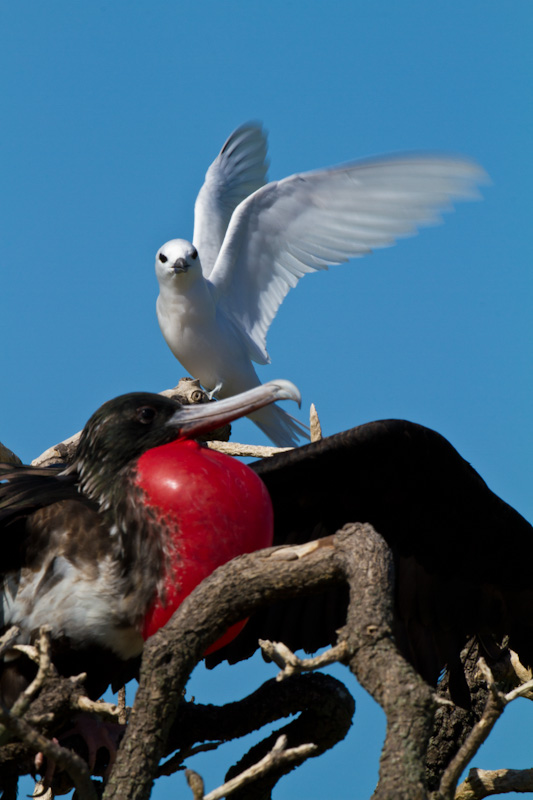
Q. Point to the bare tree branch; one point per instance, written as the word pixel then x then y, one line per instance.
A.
pixel 187 391
pixel 231 593
pixel 175 763
pixel 314 424
pixel 67 759
pixel 246 450
pixel 278 756
pixel 196 783
pixel 123 710
pixel 235 590
pixel 8 456
pixel 109 712
pixel 9 638
pixel 44 649
pixel 496 703
pixel 482 783
pixel 291 664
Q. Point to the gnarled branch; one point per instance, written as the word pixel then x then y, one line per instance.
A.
pixel 235 590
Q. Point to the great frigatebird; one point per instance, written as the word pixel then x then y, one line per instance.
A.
pixel 462 555
pixel 103 551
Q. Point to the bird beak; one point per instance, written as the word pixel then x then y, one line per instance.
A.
pixel 195 419
pixel 180 265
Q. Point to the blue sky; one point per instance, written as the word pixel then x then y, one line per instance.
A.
pixel 112 112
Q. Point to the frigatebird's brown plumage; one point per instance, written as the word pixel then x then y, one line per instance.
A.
pixel 105 550
pixel 463 556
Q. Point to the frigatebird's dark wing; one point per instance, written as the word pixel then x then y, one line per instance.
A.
pixel 23 491
pixel 463 556
pixel 37 505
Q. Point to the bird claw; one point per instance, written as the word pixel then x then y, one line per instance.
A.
pixel 96 735
pixel 46 777
pixel 42 791
pixel 212 395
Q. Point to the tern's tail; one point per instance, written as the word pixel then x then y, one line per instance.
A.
pixel 281 428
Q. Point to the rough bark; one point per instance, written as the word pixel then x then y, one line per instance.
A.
pixel 356 554
pixel 162 722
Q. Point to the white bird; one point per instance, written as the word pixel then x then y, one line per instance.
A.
pixel 252 242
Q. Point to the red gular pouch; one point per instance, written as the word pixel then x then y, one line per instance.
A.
pixel 214 508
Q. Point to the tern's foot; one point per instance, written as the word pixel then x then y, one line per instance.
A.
pixel 212 395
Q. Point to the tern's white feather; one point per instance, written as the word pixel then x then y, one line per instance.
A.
pixel 253 242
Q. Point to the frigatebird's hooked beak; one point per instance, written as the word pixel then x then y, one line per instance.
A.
pixel 195 419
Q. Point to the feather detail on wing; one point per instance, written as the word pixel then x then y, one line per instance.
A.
pixel 27 492
pixel 25 489
pixel 239 169
pixel 307 222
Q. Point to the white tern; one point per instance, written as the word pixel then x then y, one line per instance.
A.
pixel 254 240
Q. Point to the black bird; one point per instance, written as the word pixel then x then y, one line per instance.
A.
pixel 106 549
pixel 463 556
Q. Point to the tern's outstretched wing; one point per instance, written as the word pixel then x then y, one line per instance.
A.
pixel 306 222
pixel 239 169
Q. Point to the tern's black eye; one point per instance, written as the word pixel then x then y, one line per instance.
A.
pixel 145 414
pixel 163 259
pixel 194 254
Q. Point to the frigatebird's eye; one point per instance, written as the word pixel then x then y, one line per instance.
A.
pixel 163 259
pixel 194 254
pixel 146 414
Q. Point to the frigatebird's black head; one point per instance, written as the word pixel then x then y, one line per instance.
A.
pixel 124 428
pixel 121 430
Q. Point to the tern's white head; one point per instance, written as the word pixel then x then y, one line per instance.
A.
pixel 176 258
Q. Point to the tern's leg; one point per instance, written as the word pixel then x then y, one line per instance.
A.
pixel 213 393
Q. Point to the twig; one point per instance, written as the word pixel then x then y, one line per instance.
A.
pixel 29 651
pixel 7 456
pixel 315 427
pixel 196 783
pixel 521 691
pixel 106 711
pixel 291 664
pixel 188 391
pixel 294 552
pixel 40 719
pixel 175 763
pixel 78 680
pixel 62 451
pixel 122 708
pixel 484 782
pixel 246 450
pixel 494 707
pixel 321 706
pixel 8 638
pixel 277 756
pixel 70 761
pixel 24 699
